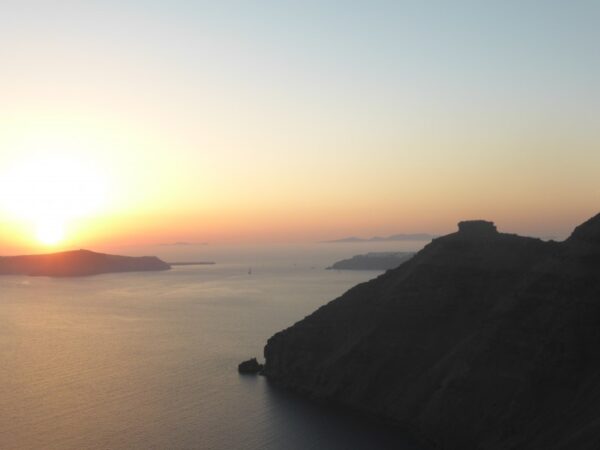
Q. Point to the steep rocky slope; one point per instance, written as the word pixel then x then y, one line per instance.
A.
pixel 482 340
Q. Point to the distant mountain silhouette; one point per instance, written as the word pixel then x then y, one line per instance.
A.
pixel 372 261
pixel 182 243
pixel 192 263
pixel 77 263
pixel 482 340
pixel 393 237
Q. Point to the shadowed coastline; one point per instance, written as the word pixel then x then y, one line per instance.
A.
pixel 77 263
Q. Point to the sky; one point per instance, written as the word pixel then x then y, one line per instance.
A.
pixel 137 122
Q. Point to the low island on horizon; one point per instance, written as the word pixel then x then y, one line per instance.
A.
pixel 76 263
pixel 391 238
pixel 372 261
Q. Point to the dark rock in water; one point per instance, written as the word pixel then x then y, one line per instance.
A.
pixel 372 261
pixel 251 366
pixel 77 263
pixel 482 340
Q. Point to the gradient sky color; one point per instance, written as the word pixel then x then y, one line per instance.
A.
pixel 258 121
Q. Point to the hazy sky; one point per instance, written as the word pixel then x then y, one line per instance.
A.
pixel 298 120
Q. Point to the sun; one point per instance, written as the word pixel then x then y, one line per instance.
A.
pixel 50 191
pixel 50 233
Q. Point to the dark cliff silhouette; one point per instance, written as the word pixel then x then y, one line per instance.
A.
pixel 77 263
pixel 482 340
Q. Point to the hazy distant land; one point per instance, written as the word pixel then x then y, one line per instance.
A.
pixel 393 237
pixel 192 263
pixel 181 244
pixel 372 261
pixel 77 263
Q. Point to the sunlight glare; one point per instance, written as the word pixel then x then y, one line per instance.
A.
pixel 50 233
pixel 48 191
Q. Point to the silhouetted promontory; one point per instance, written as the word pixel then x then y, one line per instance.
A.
pixel 482 340
pixel 372 261
pixel 77 263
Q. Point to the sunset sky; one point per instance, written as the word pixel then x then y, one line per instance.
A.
pixel 269 121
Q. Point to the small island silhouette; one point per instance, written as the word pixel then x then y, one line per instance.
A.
pixel 77 263
pixel 372 261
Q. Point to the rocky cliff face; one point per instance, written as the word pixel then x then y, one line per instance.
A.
pixel 77 263
pixel 482 340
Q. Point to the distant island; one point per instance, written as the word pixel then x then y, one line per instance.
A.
pixel 393 237
pixel 181 244
pixel 482 340
pixel 77 263
pixel 192 263
pixel 372 261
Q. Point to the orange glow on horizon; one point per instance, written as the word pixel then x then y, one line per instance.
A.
pixel 56 192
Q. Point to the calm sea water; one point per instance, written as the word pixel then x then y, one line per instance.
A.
pixel 149 360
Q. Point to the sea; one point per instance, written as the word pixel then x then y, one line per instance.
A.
pixel 149 360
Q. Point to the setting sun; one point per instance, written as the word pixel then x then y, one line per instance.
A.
pixel 50 233
pixel 48 192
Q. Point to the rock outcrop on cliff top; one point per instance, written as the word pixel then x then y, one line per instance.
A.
pixel 482 340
